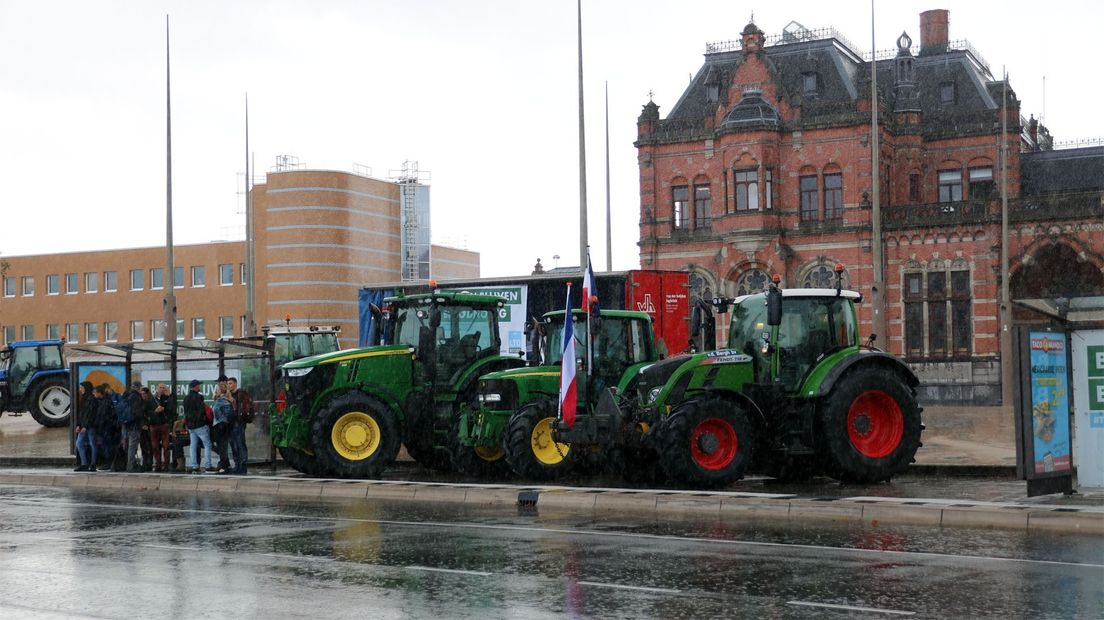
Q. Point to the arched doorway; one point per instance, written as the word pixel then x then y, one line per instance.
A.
pixel 1056 271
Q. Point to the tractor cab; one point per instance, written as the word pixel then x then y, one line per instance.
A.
pixel 619 339
pixel 447 331
pixel 812 324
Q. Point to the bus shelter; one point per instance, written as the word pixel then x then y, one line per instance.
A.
pixel 176 364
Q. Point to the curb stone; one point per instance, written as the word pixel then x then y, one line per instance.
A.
pixel 873 511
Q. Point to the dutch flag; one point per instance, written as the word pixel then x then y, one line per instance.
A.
pixel 568 385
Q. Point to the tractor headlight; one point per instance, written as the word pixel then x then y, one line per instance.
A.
pixel 653 394
pixel 490 398
pixel 299 372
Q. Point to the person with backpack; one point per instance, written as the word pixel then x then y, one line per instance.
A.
pixel 108 429
pixel 195 418
pixel 86 428
pixel 243 409
pixel 130 411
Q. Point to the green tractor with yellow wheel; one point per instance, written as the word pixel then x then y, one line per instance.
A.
pixel 513 424
pixel 348 412
pixel 794 394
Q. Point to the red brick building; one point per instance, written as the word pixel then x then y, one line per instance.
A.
pixel 763 167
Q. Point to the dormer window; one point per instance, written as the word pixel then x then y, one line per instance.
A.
pixel 809 84
pixel 947 93
pixel 712 92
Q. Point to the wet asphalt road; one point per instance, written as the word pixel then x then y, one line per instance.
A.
pixel 115 554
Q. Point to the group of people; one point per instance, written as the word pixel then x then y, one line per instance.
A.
pixel 113 428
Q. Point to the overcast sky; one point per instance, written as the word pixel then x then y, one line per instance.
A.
pixel 483 94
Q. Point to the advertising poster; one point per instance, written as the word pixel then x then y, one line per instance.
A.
pixel 511 318
pixel 1050 403
pixel 113 375
pixel 1088 405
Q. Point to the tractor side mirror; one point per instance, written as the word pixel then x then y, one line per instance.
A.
pixel 774 306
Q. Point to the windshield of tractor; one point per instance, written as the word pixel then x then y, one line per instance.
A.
pixel 812 328
pixel 618 341
pixel 296 346
pixel 24 361
pixel 453 335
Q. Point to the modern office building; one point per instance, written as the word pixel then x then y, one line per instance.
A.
pixel 320 236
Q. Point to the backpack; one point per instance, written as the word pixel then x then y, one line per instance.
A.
pixel 124 413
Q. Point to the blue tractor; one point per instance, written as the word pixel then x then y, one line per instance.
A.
pixel 34 377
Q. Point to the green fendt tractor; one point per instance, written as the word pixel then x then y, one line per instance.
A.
pixel 348 411
pixel 514 422
pixel 794 394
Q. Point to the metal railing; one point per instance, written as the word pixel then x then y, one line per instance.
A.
pixel 784 38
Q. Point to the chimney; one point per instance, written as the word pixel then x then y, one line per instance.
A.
pixel 933 31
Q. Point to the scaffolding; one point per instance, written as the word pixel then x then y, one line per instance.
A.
pixel 414 222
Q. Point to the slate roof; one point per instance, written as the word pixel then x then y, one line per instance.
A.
pixel 843 78
pixel 1067 170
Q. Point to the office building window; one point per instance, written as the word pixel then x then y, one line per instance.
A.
pixel 9 286
pixel 680 204
pixel 137 330
pixel 226 275
pixel 91 282
pixel 111 281
pixel 53 331
pixel 137 280
pixel 178 277
pixel 199 328
pixel 9 333
pixel 747 190
pixel 157 278
pixel 91 332
pixel 241 268
pixel 72 332
pixel 810 199
pixel 72 284
pixel 833 197
pixel 180 329
pixel 26 332
pixel 157 329
pixel 27 284
pixel 111 331
pixel 950 186
pixel 53 282
pixel 226 327
pixel 199 275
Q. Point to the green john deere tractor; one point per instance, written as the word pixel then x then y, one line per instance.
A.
pixel 348 411
pixel 517 407
pixel 794 394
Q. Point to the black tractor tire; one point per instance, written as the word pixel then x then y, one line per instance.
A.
pixel 870 426
pixel 355 437
pixel 51 403
pixel 487 463
pixel 705 442
pixel 302 462
pixel 530 450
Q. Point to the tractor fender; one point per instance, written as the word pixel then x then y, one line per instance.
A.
pixel 371 391
pixel 755 414
pixel 867 358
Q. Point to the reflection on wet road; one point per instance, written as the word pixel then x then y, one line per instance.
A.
pixel 91 553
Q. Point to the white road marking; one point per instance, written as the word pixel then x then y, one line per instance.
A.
pixel 872 610
pixel 170 547
pixel 450 570
pixel 618 586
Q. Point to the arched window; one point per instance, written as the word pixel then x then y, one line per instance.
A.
pixel 751 281
pixel 822 276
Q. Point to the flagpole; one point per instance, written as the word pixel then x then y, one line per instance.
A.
pixel 582 150
pixel 609 227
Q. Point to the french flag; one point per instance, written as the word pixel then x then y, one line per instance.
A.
pixel 568 385
pixel 590 289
